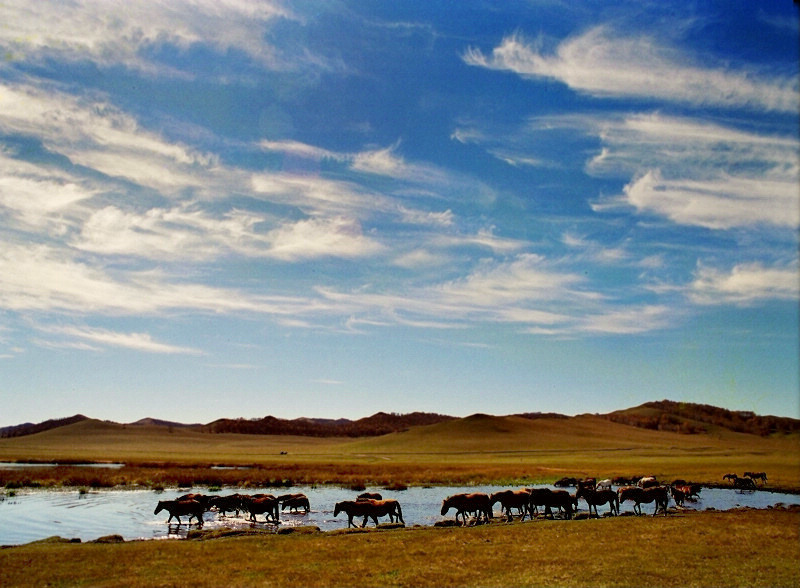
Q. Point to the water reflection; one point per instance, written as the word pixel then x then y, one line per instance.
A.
pixel 31 515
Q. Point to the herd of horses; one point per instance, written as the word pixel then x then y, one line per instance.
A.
pixel 523 502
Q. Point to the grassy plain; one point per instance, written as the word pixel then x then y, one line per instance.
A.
pixel 476 449
pixel 744 548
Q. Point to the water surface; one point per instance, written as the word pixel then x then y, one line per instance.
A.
pixel 30 515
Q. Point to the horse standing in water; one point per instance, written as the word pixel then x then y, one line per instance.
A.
pixel 463 503
pixel 657 494
pixel 369 509
pixel 594 498
pixel 179 508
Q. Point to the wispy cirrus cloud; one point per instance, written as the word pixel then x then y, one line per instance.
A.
pixel 115 34
pixel 106 338
pixel 605 63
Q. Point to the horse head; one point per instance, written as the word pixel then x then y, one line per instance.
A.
pixel 337 509
pixel 159 508
pixel 445 506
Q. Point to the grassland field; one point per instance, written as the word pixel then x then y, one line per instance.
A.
pixel 733 548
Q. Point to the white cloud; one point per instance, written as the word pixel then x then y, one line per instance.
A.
pixel 315 237
pixel 603 63
pixel 46 279
pixel 744 284
pixel 94 134
pixel 691 171
pixel 111 33
pixel 135 341
pixel 720 203
pixel 184 232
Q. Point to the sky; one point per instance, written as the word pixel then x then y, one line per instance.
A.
pixel 228 208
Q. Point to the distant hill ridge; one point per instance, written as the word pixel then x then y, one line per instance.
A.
pixel 664 415
pixel 691 418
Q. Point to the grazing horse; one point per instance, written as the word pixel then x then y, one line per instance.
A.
pixel 369 509
pixel 369 496
pixel 265 504
pixel 657 494
pixel 179 508
pixel 566 482
pixel 509 499
pixel 731 477
pixel 294 502
pixel 597 497
pixel 464 503
pixel 756 476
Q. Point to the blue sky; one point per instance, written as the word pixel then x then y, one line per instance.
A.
pixel 329 209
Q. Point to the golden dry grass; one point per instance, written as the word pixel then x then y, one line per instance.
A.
pixel 477 449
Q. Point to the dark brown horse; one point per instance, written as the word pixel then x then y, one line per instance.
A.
pixel 369 496
pixel 265 504
pixel 560 499
pixel 477 502
pixel 657 494
pixel 294 502
pixel 225 504
pixel 594 498
pixel 744 484
pixel 509 499
pixel 369 509
pixel 179 508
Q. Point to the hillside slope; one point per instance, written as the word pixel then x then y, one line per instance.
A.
pixel 692 418
pixel 485 433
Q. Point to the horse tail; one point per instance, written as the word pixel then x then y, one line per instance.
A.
pixel 399 512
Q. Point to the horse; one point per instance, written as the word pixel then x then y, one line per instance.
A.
pixel 744 484
pixel 369 509
pixel 179 508
pixel 294 502
pixel 647 482
pixel 756 476
pixel 509 499
pixel 265 504
pixel 657 494
pixel 731 477
pixel 597 497
pixel 682 492
pixel 464 503
pixel 566 482
pixel 603 485
pixel 224 504
pixel 547 498
pixel 369 496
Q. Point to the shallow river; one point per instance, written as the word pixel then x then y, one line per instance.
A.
pixel 29 515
